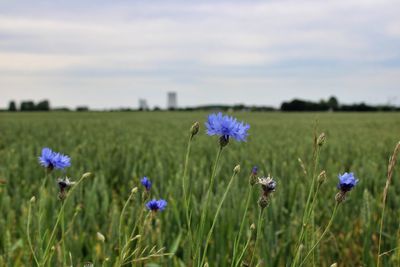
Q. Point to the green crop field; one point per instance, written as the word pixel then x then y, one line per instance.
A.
pixel 118 149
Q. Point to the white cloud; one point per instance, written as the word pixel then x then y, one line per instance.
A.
pixel 159 45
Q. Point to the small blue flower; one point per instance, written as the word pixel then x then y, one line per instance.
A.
pixel 226 126
pixel 346 181
pixel 146 183
pixel 156 205
pixel 52 160
pixel 254 171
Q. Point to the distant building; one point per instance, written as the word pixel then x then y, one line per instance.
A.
pixel 143 104
pixel 172 102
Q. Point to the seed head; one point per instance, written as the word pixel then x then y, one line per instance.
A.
pixel 321 139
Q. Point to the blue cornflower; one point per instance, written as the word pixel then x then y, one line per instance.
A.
pixel 254 171
pixel 156 205
pixel 52 160
pixel 226 127
pixel 146 183
pixel 346 181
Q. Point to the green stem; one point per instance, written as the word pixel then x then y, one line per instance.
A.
pixel 28 235
pixel 243 251
pixel 185 195
pixel 258 230
pixel 322 235
pixel 309 206
pixel 121 220
pixel 378 260
pixel 237 239
pixel 215 217
pixel 207 203
pixel 62 237
pixel 46 252
pixel 41 199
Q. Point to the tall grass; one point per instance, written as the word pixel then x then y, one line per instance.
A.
pixel 120 148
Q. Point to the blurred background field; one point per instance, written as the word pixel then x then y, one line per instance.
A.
pixel 120 148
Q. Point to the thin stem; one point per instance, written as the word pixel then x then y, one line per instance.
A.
pixel 259 226
pixel 121 220
pixel 323 234
pixel 46 255
pixel 207 203
pixel 28 234
pixel 215 217
pixel 62 236
pixel 309 206
pixel 243 251
pixel 41 199
pixel 185 195
pixel 237 239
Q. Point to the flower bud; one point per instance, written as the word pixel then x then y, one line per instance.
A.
pixel 100 237
pixel 252 227
pixel 33 199
pixel 253 176
pixel 86 175
pixel 134 190
pixel 194 129
pixel 340 196
pixel 263 201
pixel 236 170
pixel 321 139
pixel 321 177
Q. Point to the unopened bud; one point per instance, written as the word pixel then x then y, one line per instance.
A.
pixel 321 139
pixel 33 199
pixel 86 175
pixel 206 264
pixel 236 170
pixel 263 201
pixel 340 196
pixel 334 265
pixel 134 190
pixel 321 177
pixel 100 237
pixel 194 129
pixel 252 227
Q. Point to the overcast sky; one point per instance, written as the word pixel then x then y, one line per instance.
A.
pixel 111 53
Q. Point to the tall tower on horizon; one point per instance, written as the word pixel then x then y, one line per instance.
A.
pixel 172 102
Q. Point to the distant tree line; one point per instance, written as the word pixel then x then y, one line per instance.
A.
pixel 30 106
pixel 332 104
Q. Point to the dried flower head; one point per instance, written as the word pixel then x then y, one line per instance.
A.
pixel 64 184
pixel 268 184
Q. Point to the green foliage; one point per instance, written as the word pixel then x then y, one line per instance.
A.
pixel 120 148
